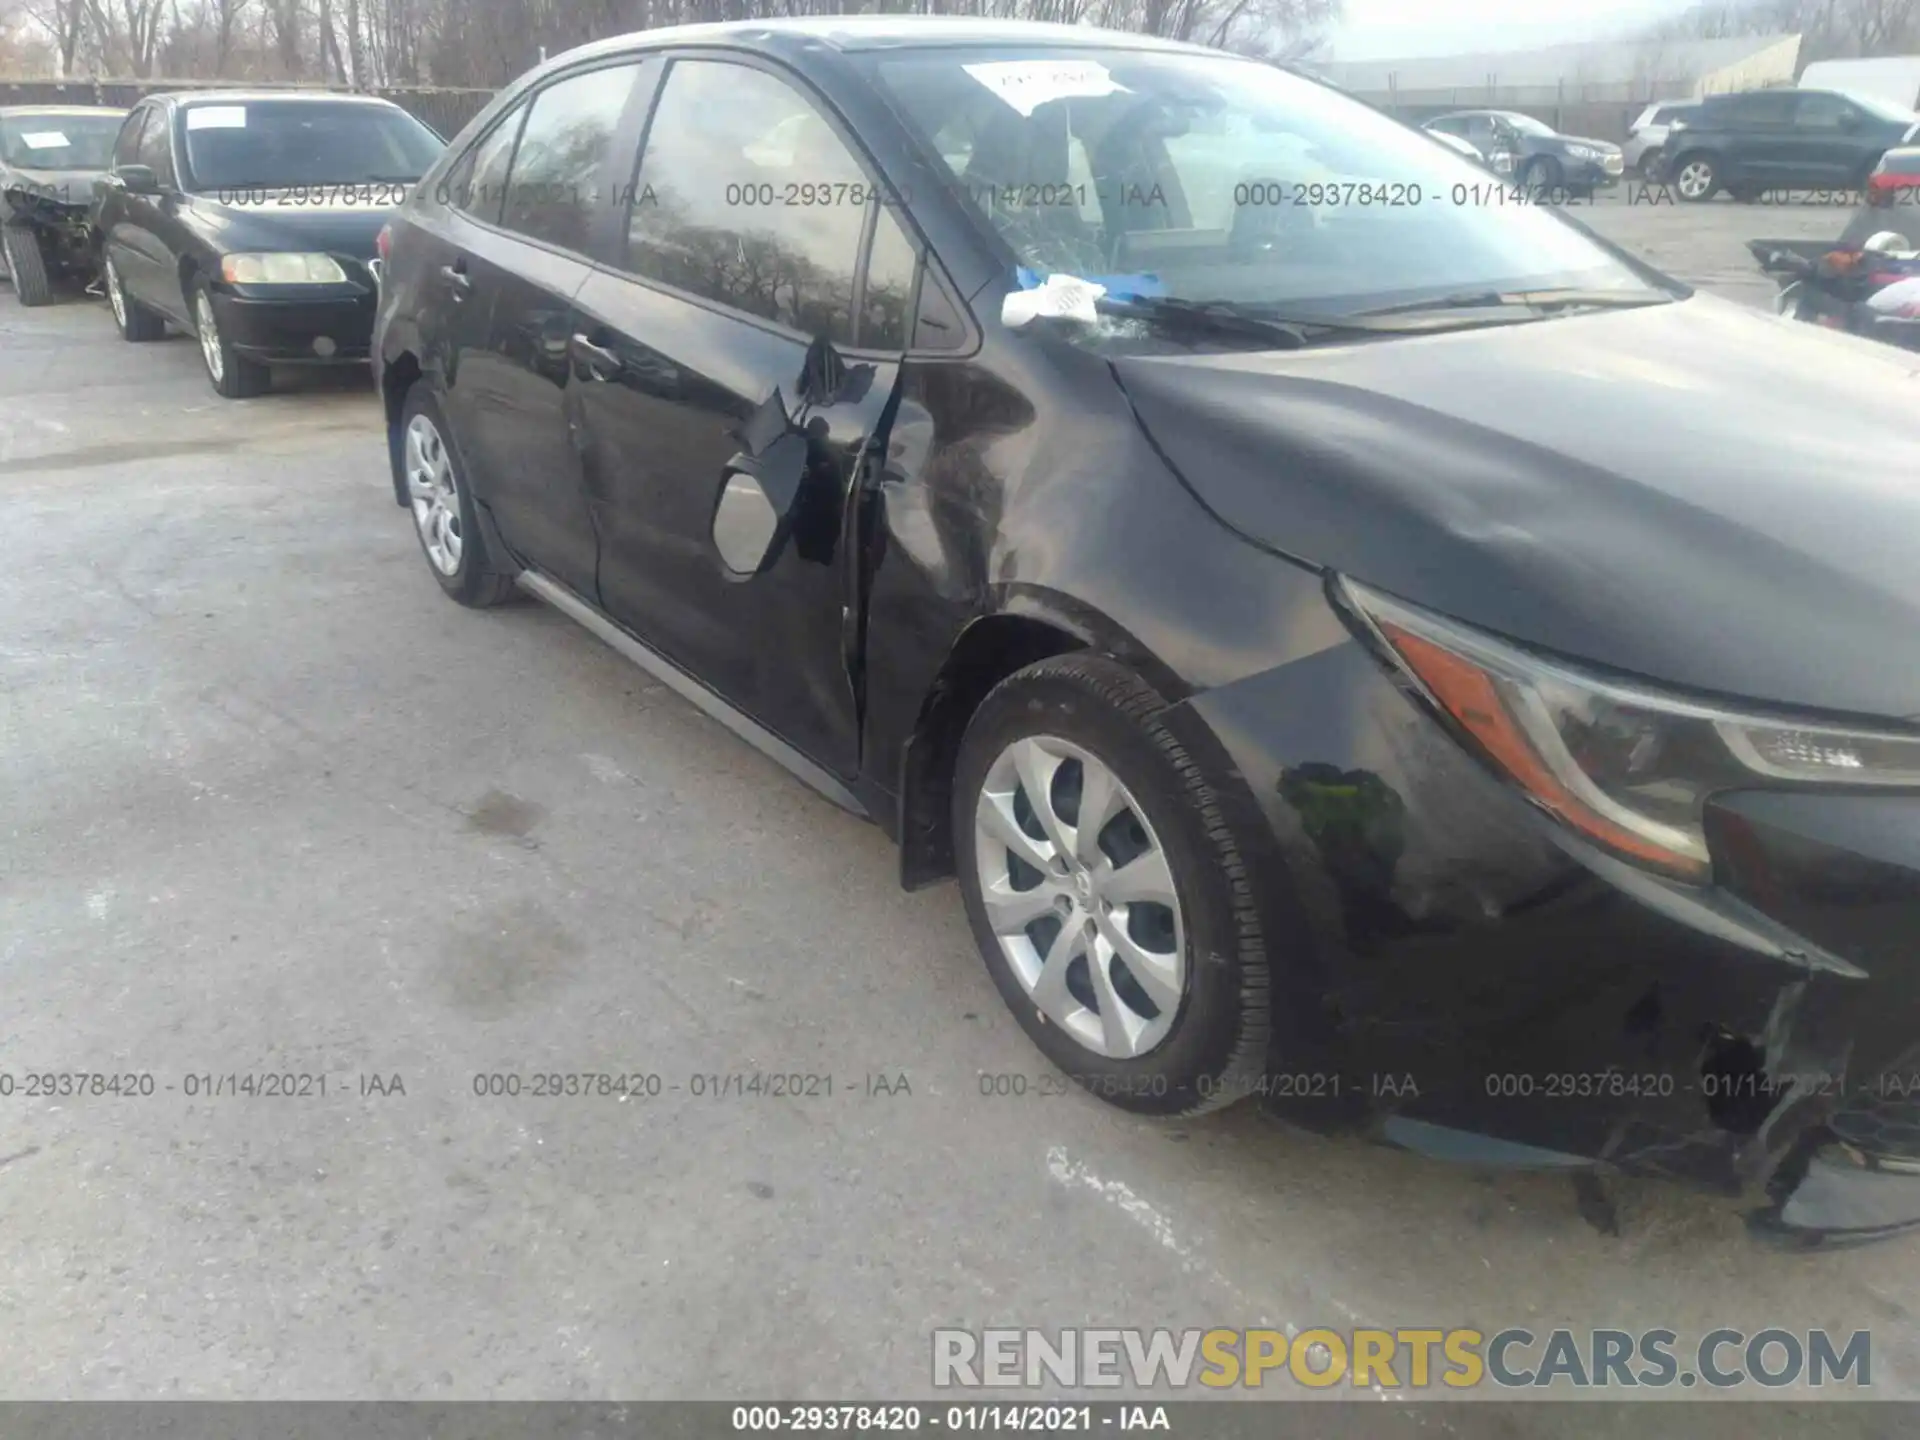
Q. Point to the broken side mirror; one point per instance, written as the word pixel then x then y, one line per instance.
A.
pixel 138 179
pixel 823 374
pixel 759 491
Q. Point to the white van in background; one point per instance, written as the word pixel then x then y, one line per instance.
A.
pixel 1891 77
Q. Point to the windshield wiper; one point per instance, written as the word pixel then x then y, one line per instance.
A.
pixel 1232 317
pixel 1527 300
pixel 1216 317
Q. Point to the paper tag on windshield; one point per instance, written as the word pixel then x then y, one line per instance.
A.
pixel 1066 297
pixel 217 117
pixel 45 140
pixel 1026 85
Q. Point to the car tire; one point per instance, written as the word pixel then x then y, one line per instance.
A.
pixel 135 322
pixel 1649 167
pixel 1540 176
pixel 234 376
pixel 442 506
pixel 1695 178
pixel 26 265
pixel 1083 725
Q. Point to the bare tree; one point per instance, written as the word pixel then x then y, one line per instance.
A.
pixel 65 21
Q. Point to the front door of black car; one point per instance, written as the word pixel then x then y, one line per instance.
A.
pixel 136 229
pixel 753 235
pixel 510 276
pixel 1760 139
pixel 1830 142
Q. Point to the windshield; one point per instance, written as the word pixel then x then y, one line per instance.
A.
pixel 73 141
pixel 1883 109
pixel 304 142
pixel 1210 178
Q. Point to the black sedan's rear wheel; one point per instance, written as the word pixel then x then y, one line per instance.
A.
pixel 26 264
pixel 1106 891
pixel 442 506
pixel 136 323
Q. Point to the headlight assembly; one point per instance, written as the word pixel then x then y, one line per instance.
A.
pixel 281 269
pixel 1629 768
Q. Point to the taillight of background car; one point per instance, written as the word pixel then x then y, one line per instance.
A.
pixel 383 242
pixel 1898 170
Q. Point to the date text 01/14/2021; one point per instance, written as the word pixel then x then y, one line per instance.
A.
pixel 962 1419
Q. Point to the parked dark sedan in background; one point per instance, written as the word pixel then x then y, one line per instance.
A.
pixel 1543 159
pixel 1757 140
pixel 49 156
pixel 1375 655
pixel 252 220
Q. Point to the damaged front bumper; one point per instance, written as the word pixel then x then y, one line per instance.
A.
pixel 63 226
pixel 1461 979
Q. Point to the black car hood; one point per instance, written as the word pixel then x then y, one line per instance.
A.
pixel 1695 492
pixel 290 220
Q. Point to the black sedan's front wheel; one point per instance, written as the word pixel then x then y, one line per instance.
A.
pixel 1695 178
pixel 26 265
pixel 233 374
pixel 1106 891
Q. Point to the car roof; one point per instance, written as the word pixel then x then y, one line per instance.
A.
pixel 256 97
pixel 9 111
pixel 876 32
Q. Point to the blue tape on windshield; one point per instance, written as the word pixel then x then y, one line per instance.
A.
pixel 1119 286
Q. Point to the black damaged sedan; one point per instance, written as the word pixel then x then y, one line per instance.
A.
pixel 1352 642
pixel 251 220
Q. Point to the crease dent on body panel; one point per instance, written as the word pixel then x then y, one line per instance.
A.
pixel 859 520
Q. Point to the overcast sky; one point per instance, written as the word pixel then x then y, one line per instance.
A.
pixel 1402 29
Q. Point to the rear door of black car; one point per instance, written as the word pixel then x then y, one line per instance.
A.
pixel 1832 141
pixel 755 231
pixel 515 263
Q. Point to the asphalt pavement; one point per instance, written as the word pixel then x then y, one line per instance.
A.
pixel 271 806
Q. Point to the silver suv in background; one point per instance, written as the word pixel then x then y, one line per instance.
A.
pixel 1647 136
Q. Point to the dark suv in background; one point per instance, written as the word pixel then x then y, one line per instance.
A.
pixel 1776 139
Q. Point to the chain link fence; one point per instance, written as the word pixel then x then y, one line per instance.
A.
pixel 445 110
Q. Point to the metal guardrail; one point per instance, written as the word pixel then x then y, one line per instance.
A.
pixel 446 109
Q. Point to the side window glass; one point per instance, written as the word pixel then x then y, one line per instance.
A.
pixel 477 184
pixel 886 317
pixel 1819 112
pixel 1764 110
pixel 126 146
pixel 156 147
pixel 746 196
pixel 554 186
